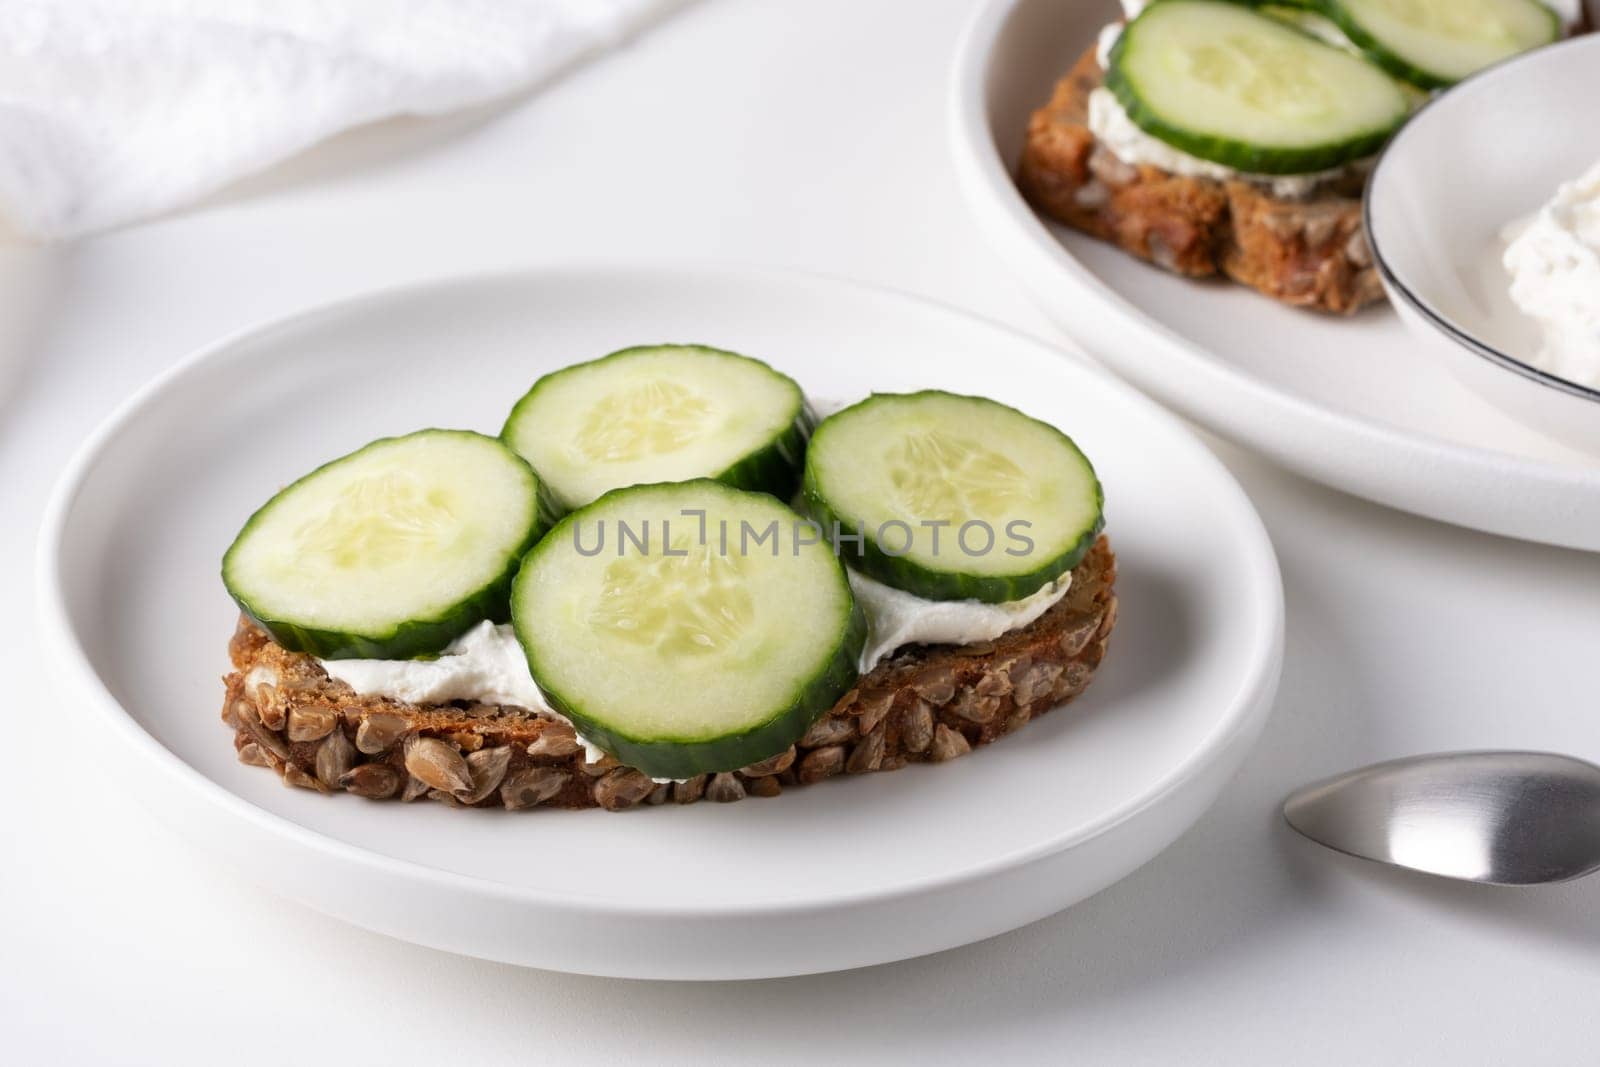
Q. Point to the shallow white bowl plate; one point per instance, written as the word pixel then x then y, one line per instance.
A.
pixel 1471 162
pixel 851 872
pixel 1355 403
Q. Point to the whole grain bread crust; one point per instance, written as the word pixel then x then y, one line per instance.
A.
pixel 1308 253
pixel 926 703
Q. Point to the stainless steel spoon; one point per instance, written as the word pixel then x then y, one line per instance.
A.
pixel 1506 818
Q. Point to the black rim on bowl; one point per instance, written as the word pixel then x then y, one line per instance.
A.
pixel 1422 307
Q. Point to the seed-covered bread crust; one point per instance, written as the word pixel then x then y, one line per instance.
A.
pixel 1308 253
pixel 926 703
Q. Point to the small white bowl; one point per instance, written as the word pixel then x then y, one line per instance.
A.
pixel 1487 153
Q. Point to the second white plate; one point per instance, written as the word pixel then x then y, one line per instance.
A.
pixel 842 874
pixel 1355 403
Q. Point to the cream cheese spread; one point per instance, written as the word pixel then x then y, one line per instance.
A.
pixel 1554 262
pixel 486 665
pixel 896 618
pixel 1124 139
pixel 1570 12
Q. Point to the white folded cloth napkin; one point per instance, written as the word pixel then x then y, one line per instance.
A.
pixel 115 110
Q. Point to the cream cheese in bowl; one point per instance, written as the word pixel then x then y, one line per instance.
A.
pixel 1553 259
pixel 1508 322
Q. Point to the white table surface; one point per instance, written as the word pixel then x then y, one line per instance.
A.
pixel 808 133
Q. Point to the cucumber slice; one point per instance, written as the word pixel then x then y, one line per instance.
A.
pixel 1228 84
pixel 1436 43
pixel 953 497
pixel 391 551
pixel 664 413
pixel 1305 16
pixel 703 648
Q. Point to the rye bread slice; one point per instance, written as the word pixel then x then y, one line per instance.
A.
pixel 1307 253
pixel 926 703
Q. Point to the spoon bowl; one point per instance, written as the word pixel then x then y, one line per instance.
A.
pixel 1503 818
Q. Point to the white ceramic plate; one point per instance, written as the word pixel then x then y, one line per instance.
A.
pixel 1355 403
pixel 847 873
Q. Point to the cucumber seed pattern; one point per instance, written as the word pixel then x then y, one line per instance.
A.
pixel 651 418
pixel 1266 74
pixel 937 475
pixel 378 521
pixel 1470 20
pixel 686 605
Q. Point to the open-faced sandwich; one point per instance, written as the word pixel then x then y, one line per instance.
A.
pixel 665 580
pixel 1235 138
